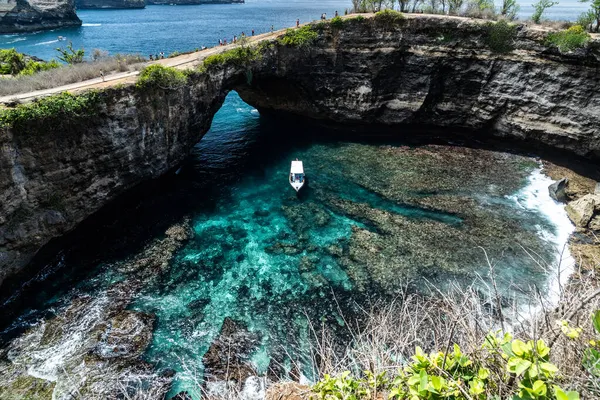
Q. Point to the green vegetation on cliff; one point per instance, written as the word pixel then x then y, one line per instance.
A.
pixel 241 56
pixel 157 76
pixel 389 17
pixel 299 37
pixel 15 63
pixel 501 36
pixel 54 112
pixel 569 39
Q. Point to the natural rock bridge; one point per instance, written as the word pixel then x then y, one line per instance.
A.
pixel 422 71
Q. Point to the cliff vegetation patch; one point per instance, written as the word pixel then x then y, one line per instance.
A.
pixel 389 17
pixel 501 36
pixel 14 63
pixel 241 56
pixel 299 37
pixel 55 112
pixel 569 39
pixel 160 77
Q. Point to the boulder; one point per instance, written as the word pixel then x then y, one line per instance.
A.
pixel 228 357
pixel 288 391
pixel 557 190
pixel 581 211
pixel 595 223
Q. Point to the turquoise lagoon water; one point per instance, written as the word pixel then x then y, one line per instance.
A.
pixel 264 257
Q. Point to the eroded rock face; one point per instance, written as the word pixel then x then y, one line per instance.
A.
pixel 427 71
pixel 35 15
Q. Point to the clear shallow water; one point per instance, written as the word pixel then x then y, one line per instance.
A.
pixel 377 215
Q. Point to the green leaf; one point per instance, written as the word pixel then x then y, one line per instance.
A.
pixel 596 321
pixel 548 368
pixel 518 365
pixel 562 395
pixel 520 348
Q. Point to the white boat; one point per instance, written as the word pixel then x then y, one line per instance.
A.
pixel 297 178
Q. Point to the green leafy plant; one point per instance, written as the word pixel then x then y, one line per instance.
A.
pixel 70 55
pixel 591 356
pixel 337 23
pixel 241 56
pixel 501 36
pixel 161 77
pixel 389 17
pixel 11 62
pixel 522 366
pixel 539 7
pixel 569 39
pixel 299 37
pixel 54 112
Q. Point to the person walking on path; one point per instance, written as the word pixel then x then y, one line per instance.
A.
pixel 272 28
pixel 336 13
pixel 298 23
pixel 252 32
pixel 102 75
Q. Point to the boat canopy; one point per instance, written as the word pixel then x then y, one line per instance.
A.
pixel 297 167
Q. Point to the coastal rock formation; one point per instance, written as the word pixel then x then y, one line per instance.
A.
pixel 35 15
pixel 193 2
pixel 95 4
pixel 433 71
pixel 585 210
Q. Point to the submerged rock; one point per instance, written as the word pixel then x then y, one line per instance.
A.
pixel 227 358
pixel 557 190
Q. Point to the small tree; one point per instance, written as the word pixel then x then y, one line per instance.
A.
pixel 70 55
pixel 594 15
pixel 454 6
pixel 540 7
pixel 510 8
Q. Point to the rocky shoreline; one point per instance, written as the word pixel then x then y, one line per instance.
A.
pixel 37 15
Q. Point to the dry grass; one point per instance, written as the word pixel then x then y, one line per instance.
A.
pixel 69 74
pixel 463 316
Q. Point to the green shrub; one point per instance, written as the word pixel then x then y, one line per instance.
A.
pixel 521 367
pixel 33 67
pixel 501 36
pixel 389 17
pixel 299 37
pixel 241 56
pixel 570 39
pixel 11 62
pixel 54 112
pixel 337 23
pixel 70 55
pixel 161 77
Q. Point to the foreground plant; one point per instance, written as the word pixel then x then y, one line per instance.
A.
pixel 569 39
pixel 502 362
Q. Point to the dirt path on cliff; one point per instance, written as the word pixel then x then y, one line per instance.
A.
pixel 184 61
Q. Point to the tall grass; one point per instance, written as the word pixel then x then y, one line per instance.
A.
pixel 69 74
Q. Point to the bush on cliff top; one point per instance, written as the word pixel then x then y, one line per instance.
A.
pixel 501 36
pixel 55 112
pixel 15 63
pixel 389 17
pixel 570 39
pixel 299 37
pixel 241 56
pixel 157 76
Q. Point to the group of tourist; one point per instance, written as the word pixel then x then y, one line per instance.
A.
pixel 158 56
pixel 223 42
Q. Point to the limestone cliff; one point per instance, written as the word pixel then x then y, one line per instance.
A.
pixel 193 2
pixel 422 71
pixel 101 4
pixel 35 15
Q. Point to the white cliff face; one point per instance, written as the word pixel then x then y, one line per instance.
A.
pixel 34 15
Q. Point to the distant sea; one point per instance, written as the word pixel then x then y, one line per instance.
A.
pixel 182 28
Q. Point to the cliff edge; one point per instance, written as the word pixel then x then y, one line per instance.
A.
pixel 36 15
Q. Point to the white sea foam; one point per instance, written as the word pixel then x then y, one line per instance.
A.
pixel 48 42
pixel 16 40
pixel 91 24
pixel 535 197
